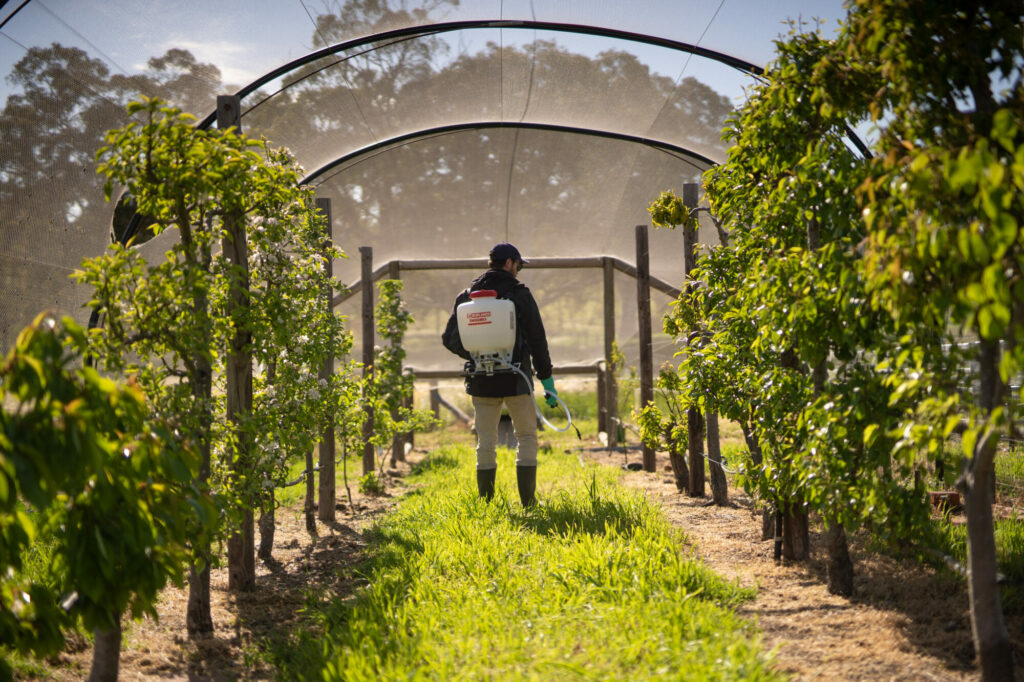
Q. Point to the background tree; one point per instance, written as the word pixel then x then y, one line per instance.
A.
pixel 46 178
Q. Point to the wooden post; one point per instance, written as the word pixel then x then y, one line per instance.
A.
pixel 643 312
pixel 602 406
pixel 435 400
pixel 366 258
pixel 238 370
pixel 400 439
pixel 694 419
pixel 611 399
pixel 328 448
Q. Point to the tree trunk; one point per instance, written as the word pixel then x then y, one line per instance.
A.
pixel 719 485
pixel 106 653
pixel 680 472
pixel 840 568
pixel 397 444
pixel 310 507
pixel 767 523
pixel 242 556
pixel 327 448
pixel 198 618
pixel 695 447
pixel 267 524
pixel 267 527
pixel 753 445
pixel 678 460
pixel 238 397
pixel 796 535
pixel 756 457
pixel 991 641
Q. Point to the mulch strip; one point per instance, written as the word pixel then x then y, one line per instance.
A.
pixel 905 621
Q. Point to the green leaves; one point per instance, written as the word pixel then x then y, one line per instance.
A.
pixel 81 450
pixel 668 211
pixel 388 389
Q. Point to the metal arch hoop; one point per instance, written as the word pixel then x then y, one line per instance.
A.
pixel 697 160
pixel 448 27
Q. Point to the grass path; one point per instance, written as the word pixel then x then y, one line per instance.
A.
pixel 594 584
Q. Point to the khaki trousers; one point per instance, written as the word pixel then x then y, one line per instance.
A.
pixel 524 418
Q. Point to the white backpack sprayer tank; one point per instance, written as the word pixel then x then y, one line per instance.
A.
pixel 487 328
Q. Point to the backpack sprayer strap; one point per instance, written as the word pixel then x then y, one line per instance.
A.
pixel 490 364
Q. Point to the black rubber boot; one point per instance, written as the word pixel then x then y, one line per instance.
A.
pixel 526 477
pixel 485 482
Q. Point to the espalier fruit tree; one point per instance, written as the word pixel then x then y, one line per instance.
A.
pixel 115 489
pixel 834 314
pixel 169 323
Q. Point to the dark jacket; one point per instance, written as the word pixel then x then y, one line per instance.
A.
pixel 531 343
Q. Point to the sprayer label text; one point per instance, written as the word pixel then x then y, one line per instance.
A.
pixel 483 317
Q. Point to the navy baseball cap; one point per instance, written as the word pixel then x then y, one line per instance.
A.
pixel 503 251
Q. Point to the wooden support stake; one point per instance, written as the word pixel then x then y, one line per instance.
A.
pixel 238 369
pixel 643 311
pixel 398 442
pixel 611 398
pixel 694 419
pixel 328 448
pixel 366 260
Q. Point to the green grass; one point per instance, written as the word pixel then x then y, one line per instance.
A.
pixel 951 540
pixel 582 405
pixel 591 585
pixel 1010 473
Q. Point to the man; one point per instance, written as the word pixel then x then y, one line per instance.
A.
pixel 506 387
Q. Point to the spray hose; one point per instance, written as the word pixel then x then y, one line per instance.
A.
pixel 540 416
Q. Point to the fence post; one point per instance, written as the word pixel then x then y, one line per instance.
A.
pixel 328 448
pixel 369 334
pixel 643 312
pixel 435 400
pixel 611 398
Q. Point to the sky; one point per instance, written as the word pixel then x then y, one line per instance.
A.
pixel 247 38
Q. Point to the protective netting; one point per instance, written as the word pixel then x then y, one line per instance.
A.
pixel 430 145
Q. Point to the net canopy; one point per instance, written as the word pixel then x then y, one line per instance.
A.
pixel 436 127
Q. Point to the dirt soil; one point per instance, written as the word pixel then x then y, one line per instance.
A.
pixel 301 566
pixel 905 622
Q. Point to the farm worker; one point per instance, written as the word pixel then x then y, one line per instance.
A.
pixel 489 392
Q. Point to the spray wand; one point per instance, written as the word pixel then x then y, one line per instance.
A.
pixel 547 394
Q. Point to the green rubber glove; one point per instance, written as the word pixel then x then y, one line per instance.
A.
pixel 550 392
